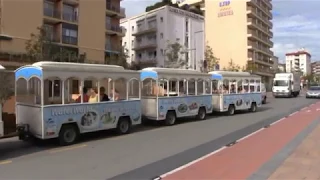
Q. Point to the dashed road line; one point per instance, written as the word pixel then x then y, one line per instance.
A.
pixel 57 150
pixel 5 162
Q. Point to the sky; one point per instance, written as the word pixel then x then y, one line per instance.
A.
pixel 296 24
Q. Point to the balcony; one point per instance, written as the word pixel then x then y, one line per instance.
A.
pixel 253 24
pixel 115 30
pixel 143 31
pixel 252 13
pixel 152 44
pixel 261 60
pixel 262 7
pixel 268 3
pixel 70 40
pixel 112 10
pixel 52 37
pixel 257 48
pixel 260 70
pixel 255 36
pixel 71 2
pixel 110 48
pixel 51 16
pixel 147 61
pixel 70 17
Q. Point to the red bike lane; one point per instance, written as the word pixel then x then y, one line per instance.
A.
pixel 249 154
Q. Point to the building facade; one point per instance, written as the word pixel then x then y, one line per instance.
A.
pixel 315 68
pixel 299 61
pixel 275 60
pixel 241 31
pixel 282 67
pixel 148 35
pixel 88 28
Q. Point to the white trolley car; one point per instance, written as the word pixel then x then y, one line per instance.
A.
pixel 48 103
pixel 168 94
pixel 233 91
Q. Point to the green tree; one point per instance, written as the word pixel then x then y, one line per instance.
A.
pixel 160 4
pixel 174 55
pixel 211 60
pixel 41 47
pixel 119 59
pixel 6 88
pixel 232 66
pixel 35 45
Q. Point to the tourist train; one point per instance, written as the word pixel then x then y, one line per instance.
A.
pixel 63 100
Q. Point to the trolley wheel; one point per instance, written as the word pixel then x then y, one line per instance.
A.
pixel 264 101
pixel 170 118
pixel 124 125
pixel 231 110
pixel 68 134
pixel 202 114
pixel 253 107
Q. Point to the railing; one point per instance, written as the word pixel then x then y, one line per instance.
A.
pixel 141 30
pixel 253 11
pixel 145 44
pixel 70 17
pixel 113 8
pixel 52 37
pixel 265 29
pixel 109 47
pixel 52 13
pixel 122 11
pixel 70 40
pixel 114 28
pixel 147 60
pixel 20 59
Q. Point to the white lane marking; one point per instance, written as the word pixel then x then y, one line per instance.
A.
pixel 247 136
pixel 211 154
pixel 191 163
pixel 305 108
pixel 277 121
pixel 293 113
pixel 308 111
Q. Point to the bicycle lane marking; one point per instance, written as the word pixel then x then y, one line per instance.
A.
pixel 245 157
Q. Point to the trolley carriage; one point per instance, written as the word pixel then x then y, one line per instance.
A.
pixel 47 105
pixel 233 91
pixel 168 94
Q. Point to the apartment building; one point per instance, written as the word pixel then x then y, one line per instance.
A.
pixel 242 31
pixel 299 61
pixel 87 28
pixel 275 60
pixel 148 34
pixel 315 68
pixel 282 67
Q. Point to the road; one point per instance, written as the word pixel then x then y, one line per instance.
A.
pixel 149 152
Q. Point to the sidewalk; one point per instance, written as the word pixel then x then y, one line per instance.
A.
pixel 283 150
pixel 304 162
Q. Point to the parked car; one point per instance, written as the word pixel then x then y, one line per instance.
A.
pixel 313 92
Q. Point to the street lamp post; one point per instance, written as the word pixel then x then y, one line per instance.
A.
pixel 195 48
pixel 1 122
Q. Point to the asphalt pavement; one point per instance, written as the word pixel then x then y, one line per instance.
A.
pixel 146 153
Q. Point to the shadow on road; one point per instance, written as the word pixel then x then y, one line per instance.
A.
pixel 12 147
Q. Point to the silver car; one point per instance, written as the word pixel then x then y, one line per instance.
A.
pixel 313 92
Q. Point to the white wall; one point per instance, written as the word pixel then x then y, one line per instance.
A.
pixel 170 26
pixel 304 63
